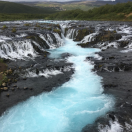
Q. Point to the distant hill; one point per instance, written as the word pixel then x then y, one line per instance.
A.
pixel 71 5
pixel 120 11
pixel 111 2
pixel 84 5
pixel 11 7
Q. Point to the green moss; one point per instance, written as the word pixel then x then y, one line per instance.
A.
pixel 57 31
pixel 14 30
pixel 1 60
pixel 30 37
pixel 4 27
pixel 49 28
pixel 26 24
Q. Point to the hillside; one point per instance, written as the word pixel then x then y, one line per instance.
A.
pixel 120 11
pixel 10 7
pixel 83 5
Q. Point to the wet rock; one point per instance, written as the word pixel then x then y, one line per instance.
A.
pixel 65 55
pixel 112 117
pixel 112 57
pixel 123 43
pixel 8 95
pixel 25 88
pixel 13 89
pixel 117 69
pixel 3 84
pixel 37 71
pixel 5 88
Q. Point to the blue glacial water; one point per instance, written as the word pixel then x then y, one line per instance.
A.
pixel 68 108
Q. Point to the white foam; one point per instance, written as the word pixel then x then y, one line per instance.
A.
pixel 114 127
pixel 17 50
pixel 21 35
pixel 125 29
pixel 89 38
pixel 4 38
pixel 46 73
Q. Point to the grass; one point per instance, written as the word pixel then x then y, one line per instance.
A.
pixel 118 12
pixel 14 30
pixel 12 17
pixel 67 6
pixel 4 27
pixel 11 7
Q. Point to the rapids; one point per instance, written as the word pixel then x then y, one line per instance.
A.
pixel 67 108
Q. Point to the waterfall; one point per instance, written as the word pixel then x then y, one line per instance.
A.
pixel 11 48
pixel 89 38
pixel 17 49
pixel 70 33
pixel 59 40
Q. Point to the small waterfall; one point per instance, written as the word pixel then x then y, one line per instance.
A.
pixel 71 33
pixel 44 37
pixel 59 40
pixel 17 49
pixel 12 48
pixel 46 73
pixel 63 27
pixel 89 38
pixel 49 40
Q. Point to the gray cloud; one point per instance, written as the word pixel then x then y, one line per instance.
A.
pixel 51 0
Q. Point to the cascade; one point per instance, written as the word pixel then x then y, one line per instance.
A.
pixel 68 108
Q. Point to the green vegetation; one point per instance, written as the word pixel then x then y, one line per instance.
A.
pixel 10 7
pixel 4 27
pixel 3 68
pixel 14 30
pixel 3 79
pixel 57 31
pixel 85 5
pixel 26 24
pixel 12 17
pixel 1 60
pixel 121 11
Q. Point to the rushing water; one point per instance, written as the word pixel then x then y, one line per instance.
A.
pixel 68 108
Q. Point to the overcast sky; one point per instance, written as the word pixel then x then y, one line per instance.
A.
pixel 54 0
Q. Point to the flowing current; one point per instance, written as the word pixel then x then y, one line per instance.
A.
pixel 69 107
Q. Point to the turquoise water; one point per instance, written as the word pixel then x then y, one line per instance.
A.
pixel 70 107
